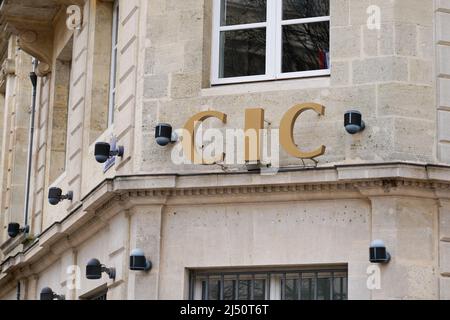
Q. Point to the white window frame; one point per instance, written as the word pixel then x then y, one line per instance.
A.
pixel 274 23
pixel 114 59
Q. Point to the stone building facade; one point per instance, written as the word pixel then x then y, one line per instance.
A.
pixel 214 231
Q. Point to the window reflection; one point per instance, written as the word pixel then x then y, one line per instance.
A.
pixel 306 47
pixel 242 12
pixel 299 9
pixel 244 53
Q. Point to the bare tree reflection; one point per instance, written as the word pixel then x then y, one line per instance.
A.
pixel 243 11
pixel 305 46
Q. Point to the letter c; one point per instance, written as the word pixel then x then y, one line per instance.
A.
pixel 287 130
pixel 189 136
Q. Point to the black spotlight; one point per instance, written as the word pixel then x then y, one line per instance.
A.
pixel 138 261
pixel 164 134
pixel 378 252
pixel 55 196
pixel 353 122
pixel 48 294
pixel 14 229
pixel 94 270
pixel 103 152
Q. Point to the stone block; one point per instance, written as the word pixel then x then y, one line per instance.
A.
pixel 381 69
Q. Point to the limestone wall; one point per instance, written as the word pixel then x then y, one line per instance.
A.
pixel 387 74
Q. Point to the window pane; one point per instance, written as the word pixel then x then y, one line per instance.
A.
pixel 306 47
pixel 323 287
pixel 259 291
pixel 308 286
pixel 299 9
pixel 291 289
pixel 338 289
pixel 229 290
pixel 214 290
pixel 243 53
pixel 242 12
pixel 244 289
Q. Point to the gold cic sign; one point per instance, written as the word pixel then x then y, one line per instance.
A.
pixel 254 124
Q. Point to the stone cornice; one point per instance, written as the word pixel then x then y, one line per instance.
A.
pixel 123 193
pixel 33 21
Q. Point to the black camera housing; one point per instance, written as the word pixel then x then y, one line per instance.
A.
pixel 14 229
pixel 48 294
pixel 138 261
pixel 378 252
pixel 94 270
pixel 103 152
pixel 353 122
pixel 55 196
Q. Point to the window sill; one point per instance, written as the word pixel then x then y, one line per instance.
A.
pixel 266 86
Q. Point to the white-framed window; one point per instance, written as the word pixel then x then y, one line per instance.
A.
pixel 113 72
pixel 256 40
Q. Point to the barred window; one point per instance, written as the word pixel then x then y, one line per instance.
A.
pixel 303 284
pixel 257 40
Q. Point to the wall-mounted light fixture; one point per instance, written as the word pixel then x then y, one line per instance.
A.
pixel 14 229
pixel 378 252
pixel 48 294
pixel 103 151
pixel 353 122
pixel 138 261
pixel 55 196
pixel 94 270
pixel 164 134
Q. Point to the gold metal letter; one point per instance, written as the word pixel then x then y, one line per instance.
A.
pixel 254 123
pixel 287 130
pixel 190 128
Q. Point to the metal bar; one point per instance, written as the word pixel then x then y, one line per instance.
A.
pixel 237 287
pixel 33 79
pixel 316 286
pixel 191 275
pixel 207 288
pixel 313 292
pixel 344 270
pixel 252 288
pixel 332 287
pixel 222 285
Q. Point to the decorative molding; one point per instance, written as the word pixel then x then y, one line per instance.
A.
pixel 37 43
pixel 385 185
pixel 114 196
pixel 43 69
pixel 7 68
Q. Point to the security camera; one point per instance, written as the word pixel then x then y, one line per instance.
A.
pixel 48 294
pixel 378 252
pixel 55 196
pixel 14 229
pixel 138 261
pixel 353 122
pixel 164 134
pixel 94 270
pixel 103 152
